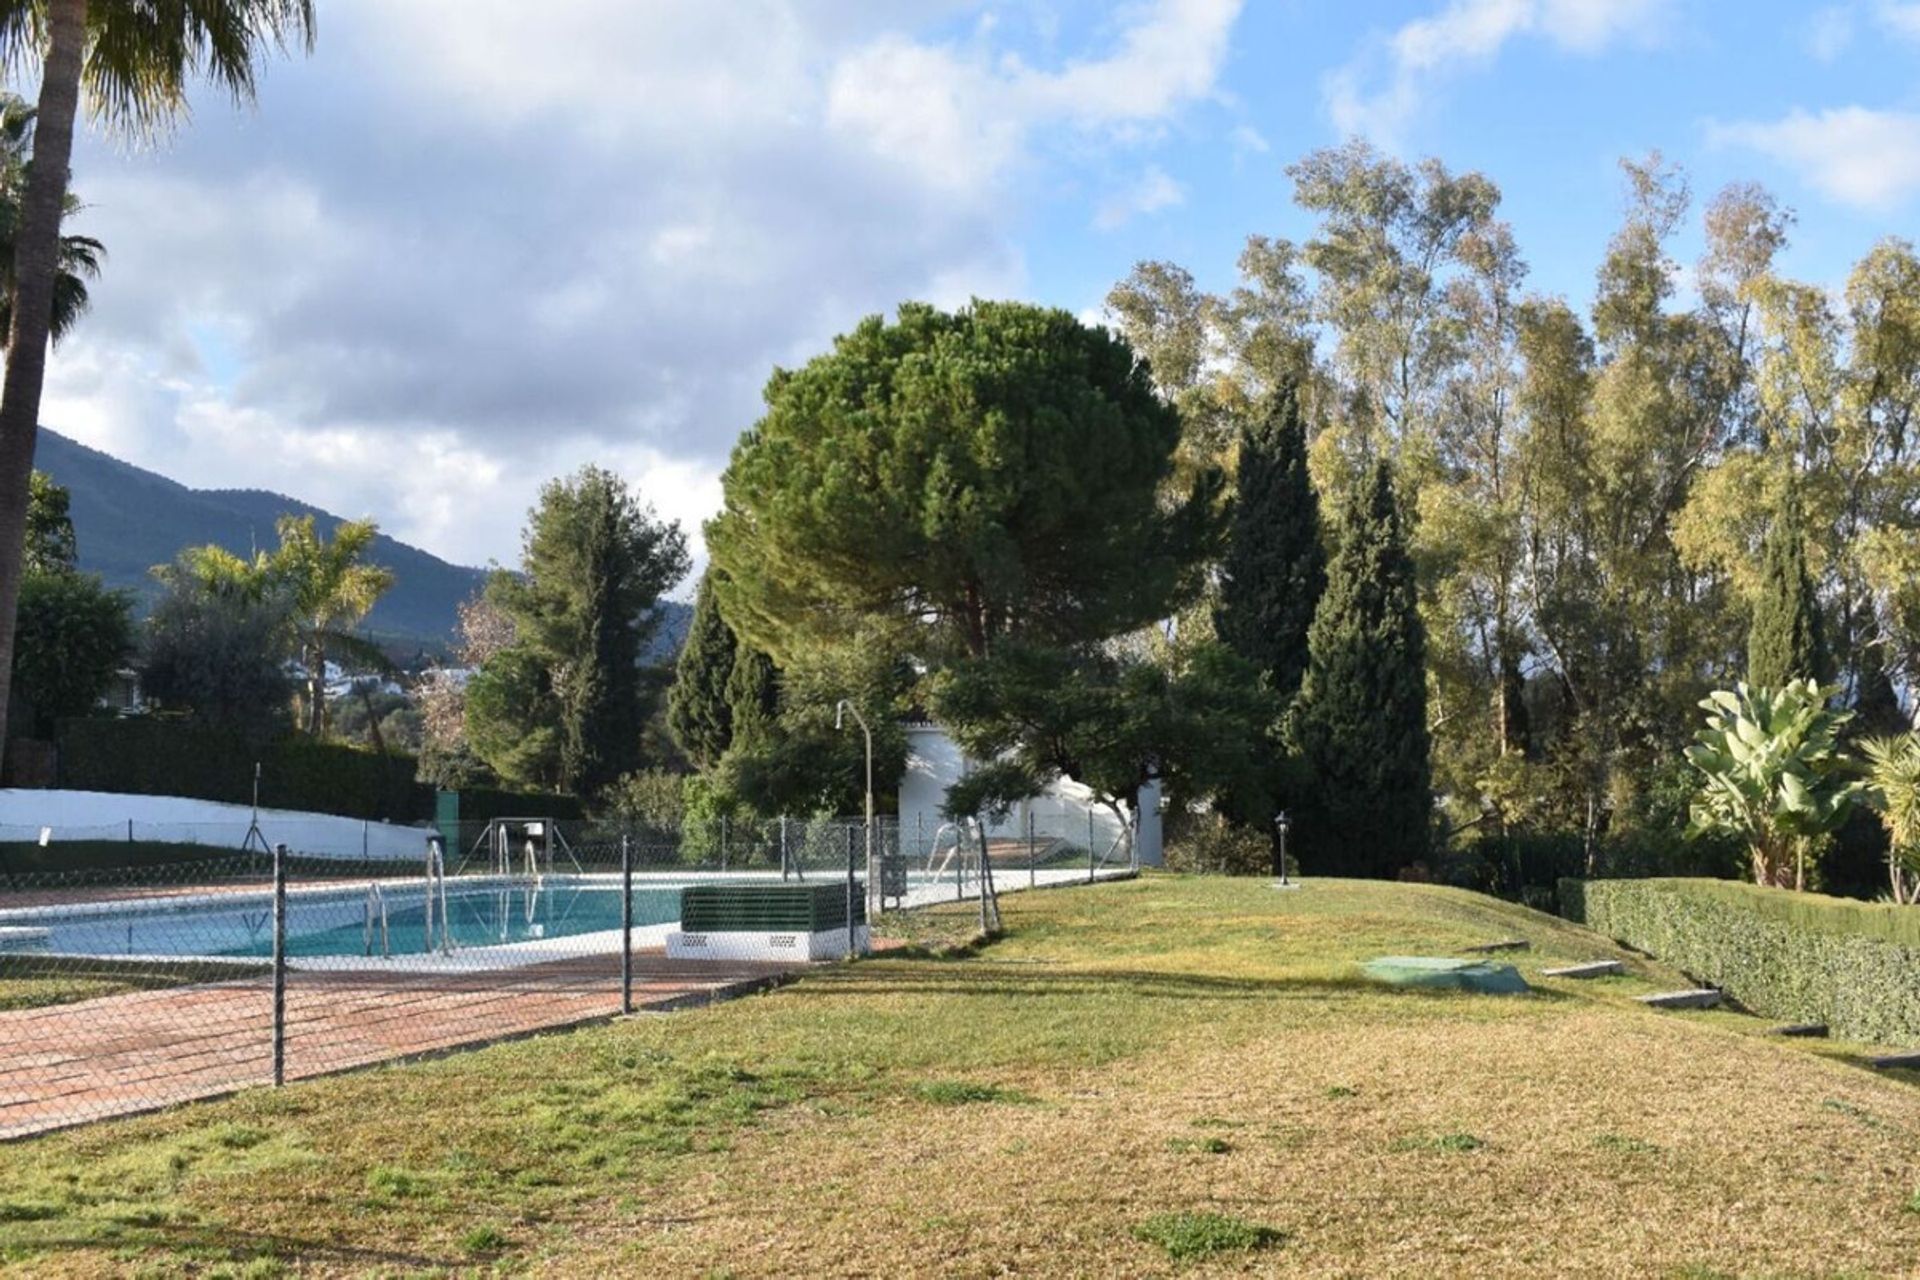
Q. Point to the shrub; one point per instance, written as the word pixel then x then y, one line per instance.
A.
pixel 1206 842
pixel 1799 957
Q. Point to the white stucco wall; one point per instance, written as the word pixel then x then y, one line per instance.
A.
pixel 106 815
pixel 935 762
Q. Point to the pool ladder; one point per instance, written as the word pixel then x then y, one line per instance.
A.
pixel 377 911
pixel 437 881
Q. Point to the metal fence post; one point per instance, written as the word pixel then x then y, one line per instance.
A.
pixel 1089 845
pixel 1033 876
pixel 279 965
pixel 852 848
pixel 626 925
pixel 723 842
pixel 783 846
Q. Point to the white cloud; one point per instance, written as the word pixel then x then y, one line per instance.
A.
pixel 1902 18
pixel 1379 93
pixel 1248 141
pixel 1855 155
pixel 1828 32
pixel 473 244
pixel 1152 192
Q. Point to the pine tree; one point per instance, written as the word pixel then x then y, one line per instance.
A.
pixel 698 712
pixel 1275 568
pixel 1786 641
pixel 1361 721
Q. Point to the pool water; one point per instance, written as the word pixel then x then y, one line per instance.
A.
pixel 334 924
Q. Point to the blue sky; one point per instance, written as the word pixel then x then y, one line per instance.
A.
pixel 472 244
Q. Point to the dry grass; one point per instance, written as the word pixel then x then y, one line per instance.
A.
pixel 1168 1060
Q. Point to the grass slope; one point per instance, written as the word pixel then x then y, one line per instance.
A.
pixel 1168 1076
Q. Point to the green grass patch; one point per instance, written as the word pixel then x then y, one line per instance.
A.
pixel 1187 1237
pixel 1625 1144
pixel 1455 1142
pixel 484 1239
pixel 959 1093
pixel 1210 1146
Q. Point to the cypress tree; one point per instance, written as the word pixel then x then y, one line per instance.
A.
pixel 699 711
pixel 1275 567
pixel 753 697
pixel 1361 720
pixel 1786 642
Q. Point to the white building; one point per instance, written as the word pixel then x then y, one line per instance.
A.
pixel 1065 811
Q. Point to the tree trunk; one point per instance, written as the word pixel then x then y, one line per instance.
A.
pixel 316 688
pixel 36 265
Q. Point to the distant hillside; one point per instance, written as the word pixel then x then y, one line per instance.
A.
pixel 127 520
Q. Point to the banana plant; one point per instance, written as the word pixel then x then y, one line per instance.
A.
pixel 1773 774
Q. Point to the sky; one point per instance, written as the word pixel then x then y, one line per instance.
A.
pixel 470 245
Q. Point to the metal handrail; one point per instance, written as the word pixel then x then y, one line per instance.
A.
pixel 377 902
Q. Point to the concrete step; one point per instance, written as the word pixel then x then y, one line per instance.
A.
pixel 1909 1061
pixel 1697 998
pixel 1592 969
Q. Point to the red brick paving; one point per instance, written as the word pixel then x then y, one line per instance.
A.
pixel 118 1055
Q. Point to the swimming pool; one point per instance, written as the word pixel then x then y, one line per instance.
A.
pixel 333 922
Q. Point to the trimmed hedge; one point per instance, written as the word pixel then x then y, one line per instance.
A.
pixel 154 756
pixel 150 756
pixel 1799 957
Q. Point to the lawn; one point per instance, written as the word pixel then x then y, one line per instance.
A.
pixel 1166 1076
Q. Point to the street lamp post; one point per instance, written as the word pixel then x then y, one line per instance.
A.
pixel 1280 825
pixel 839 713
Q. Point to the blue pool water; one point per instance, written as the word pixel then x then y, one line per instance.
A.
pixel 334 924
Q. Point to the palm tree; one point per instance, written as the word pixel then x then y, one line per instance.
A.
pixel 79 255
pixel 135 58
pixel 1893 776
pixel 330 590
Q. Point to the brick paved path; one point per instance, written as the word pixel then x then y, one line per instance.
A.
pixel 118 1055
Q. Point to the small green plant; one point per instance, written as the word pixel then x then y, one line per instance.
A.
pixel 958 1093
pixel 484 1239
pixel 1625 1144
pixel 1342 1091
pixel 1186 1236
pixel 239 1137
pixel 386 1180
pixel 1212 1146
pixel 1439 1142
pixel 1913 1203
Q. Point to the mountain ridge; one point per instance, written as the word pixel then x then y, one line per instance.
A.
pixel 127 519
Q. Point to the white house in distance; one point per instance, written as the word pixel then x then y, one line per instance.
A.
pixel 1065 811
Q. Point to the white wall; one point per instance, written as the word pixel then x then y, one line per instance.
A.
pixel 106 815
pixel 935 762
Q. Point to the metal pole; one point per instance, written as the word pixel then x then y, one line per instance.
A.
pixel 723 842
pixel 279 965
pixel 851 850
pixel 1089 845
pixel 783 846
pixel 1033 876
pixel 626 925
pixel 980 829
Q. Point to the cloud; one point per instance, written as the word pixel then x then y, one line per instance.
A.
pixel 1381 91
pixel 473 244
pixel 1903 18
pixel 1855 155
pixel 1828 32
pixel 1152 192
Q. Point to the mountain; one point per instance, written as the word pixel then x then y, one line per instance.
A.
pixel 126 520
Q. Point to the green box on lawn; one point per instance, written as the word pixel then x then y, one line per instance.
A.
pixel 769 908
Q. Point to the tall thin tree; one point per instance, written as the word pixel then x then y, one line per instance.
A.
pixel 1361 724
pixel 1787 641
pixel 134 61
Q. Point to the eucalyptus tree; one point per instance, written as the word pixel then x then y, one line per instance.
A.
pixel 132 61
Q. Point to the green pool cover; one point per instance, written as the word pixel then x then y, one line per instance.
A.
pixel 1443 972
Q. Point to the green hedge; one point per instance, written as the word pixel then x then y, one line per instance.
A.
pixel 1799 957
pixel 158 757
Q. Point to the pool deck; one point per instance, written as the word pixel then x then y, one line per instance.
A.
pixel 120 1055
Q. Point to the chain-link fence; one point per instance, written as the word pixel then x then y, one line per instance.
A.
pixel 154 974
